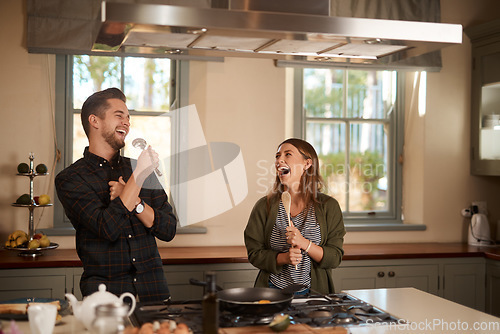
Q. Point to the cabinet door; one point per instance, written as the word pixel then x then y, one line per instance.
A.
pixel 77 276
pixel 355 278
pixel 422 277
pixel 493 288
pixel 179 286
pixel 228 279
pixel 464 284
pixel 485 98
pixel 27 283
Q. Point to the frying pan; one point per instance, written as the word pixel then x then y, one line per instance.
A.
pixel 254 301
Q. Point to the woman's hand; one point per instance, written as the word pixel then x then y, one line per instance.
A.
pixel 295 238
pixel 294 256
pixel 116 188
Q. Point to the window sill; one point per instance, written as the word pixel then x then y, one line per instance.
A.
pixel 376 227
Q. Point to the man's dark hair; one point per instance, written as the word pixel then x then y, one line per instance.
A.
pixel 97 103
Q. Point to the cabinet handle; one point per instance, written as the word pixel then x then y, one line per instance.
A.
pixel 380 274
pixel 392 274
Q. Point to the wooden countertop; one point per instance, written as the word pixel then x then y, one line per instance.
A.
pixel 237 254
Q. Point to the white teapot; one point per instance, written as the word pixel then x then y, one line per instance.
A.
pixel 85 310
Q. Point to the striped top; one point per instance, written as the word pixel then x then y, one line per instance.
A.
pixel 306 223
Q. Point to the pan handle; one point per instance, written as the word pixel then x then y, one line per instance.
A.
pixel 194 281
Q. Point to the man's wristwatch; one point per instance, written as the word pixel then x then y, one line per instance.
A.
pixel 139 207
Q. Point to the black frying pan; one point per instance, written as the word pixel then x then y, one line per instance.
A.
pixel 254 301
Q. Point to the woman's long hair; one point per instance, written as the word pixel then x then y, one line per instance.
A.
pixel 311 181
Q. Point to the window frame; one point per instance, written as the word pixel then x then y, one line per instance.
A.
pixel 393 218
pixel 64 113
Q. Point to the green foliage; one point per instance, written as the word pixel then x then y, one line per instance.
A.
pixel 368 166
pixel 365 170
pixel 99 69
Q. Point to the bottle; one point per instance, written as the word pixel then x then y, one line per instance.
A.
pixel 210 305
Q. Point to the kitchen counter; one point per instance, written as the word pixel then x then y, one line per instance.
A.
pixel 238 254
pixel 425 313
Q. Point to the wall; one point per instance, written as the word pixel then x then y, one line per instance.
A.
pixel 244 101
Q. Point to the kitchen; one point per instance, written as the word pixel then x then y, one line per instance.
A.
pixel 437 185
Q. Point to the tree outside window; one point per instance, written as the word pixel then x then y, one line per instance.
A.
pixel 348 118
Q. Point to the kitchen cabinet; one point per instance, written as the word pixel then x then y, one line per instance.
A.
pixel 464 283
pixel 39 283
pixel 55 282
pixel 354 275
pixel 178 276
pixel 485 98
pixel 493 287
pixel 466 280
pixel 461 280
pixel 228 275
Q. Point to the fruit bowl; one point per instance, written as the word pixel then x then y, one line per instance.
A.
pixel 24 251
pixel 31 205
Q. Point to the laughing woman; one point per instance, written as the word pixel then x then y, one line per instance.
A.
pixel 307 251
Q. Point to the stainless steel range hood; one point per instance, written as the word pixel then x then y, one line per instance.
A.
pixel 243 31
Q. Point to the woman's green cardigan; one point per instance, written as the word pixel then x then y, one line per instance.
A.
pixel 258 233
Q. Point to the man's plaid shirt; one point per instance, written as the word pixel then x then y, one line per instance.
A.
pixel 114 246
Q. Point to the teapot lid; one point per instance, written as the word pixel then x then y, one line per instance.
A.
pixel 102 296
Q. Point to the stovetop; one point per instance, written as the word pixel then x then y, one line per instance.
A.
pixel 314 310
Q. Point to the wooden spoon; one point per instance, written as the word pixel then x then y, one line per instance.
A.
pixel 286 198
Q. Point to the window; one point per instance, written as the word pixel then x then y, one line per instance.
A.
pixel 148 84
pixel 350 117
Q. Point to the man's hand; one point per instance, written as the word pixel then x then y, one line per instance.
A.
pixel 116 188
pixel 146 163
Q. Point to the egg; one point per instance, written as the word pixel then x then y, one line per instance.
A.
pixel 146 328
pixel 181 329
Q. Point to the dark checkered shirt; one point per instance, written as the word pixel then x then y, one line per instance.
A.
pixel 114 246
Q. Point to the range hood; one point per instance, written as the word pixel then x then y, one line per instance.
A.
pixel 291 30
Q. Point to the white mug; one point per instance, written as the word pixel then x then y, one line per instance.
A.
pixel 42 318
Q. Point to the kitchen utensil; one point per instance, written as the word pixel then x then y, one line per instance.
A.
pixel 287 203
pixel 286 198
pixel 254 301
pixel 141 143
pixel 85 310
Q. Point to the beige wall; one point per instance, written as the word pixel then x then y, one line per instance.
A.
pixel 244 102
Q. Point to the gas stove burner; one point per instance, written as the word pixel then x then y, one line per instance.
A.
pixel 265 320
pixel 337 299
pixel 317 302
pixel 344 319
pixel 229 320
pixel 320 313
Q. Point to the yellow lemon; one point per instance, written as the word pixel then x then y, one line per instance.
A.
pixel 43 199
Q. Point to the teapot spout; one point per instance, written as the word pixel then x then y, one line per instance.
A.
pixel 73 302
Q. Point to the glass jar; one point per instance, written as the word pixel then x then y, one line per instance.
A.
pixel 110 318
